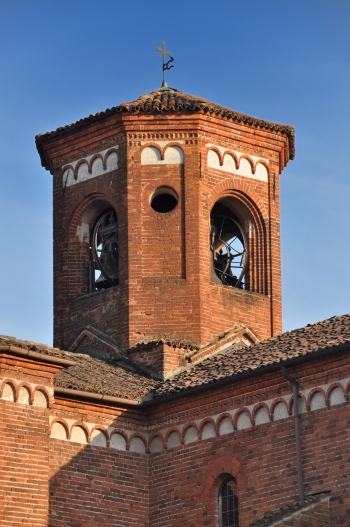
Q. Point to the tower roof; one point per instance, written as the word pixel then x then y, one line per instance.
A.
pixel 171 100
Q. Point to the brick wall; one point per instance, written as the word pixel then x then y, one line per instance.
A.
pixel 165 285
pixel 24 454
pixel 178 483
pixel 92 486
pixel 184 480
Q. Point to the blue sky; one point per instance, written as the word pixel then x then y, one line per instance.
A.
pixel 282 61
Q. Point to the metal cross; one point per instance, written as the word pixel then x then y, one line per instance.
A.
pixel 165 65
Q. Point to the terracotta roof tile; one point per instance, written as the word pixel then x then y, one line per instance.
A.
pixel 45 349
pixel 105 377
pixel 91 374
pixel 173 100
pixel 307 340
pixel 120 379
pixel 289 510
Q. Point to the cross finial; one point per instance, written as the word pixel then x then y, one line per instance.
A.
pixel 165 65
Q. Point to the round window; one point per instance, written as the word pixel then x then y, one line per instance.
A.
pixel 164 200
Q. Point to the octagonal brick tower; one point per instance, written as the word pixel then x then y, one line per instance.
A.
pixel 140 265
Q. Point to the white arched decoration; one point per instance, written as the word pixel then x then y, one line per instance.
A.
pixel 173 155
pixel 245 165
pixel 117 441
pixel 71 175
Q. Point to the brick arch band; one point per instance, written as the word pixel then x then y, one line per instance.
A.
pixel 73 221
pixel 219 469
pixel 258 243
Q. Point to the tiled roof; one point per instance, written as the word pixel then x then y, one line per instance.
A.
pixel 174 100
pixel 44 349
pixel 308 340
pixel 119 378
pixel 289 510
pixel 91 374
pixel 114 378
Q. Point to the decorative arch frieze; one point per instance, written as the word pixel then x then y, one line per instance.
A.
pixel 237 162
pixel 155 154
pixel 74 172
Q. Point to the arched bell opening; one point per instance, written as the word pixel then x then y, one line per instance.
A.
pixel 231 247
pixel 93 255
pixel 104 268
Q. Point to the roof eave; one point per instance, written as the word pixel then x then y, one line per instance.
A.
pixel 263 370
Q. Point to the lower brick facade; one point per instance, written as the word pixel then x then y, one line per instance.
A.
pixel 161 465
pixel 92 486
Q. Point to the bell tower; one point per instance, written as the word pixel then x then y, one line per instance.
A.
pixel 166 229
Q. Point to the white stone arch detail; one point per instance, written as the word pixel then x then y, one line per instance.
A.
pixel 117 441
pixel 262 416
pixel 174 155
pixel 174 439
pixel 78 435
pixel 229 163
pixel 23 395
pixel 225 426
pixel 157 445
pixel 58 431
pixel 208 430
pixel 213 160
pixel 83 171
pixel 112 161
pixel 191 435
pixel 98 438
pixel 261 172
pixel 318 401
pixel 280 411
pixel 150 155
pixel 137 445
pixel 245 168
pixel 40 399
pixel 243 421
pixel 97 167
pixel 8 392
pixel 336 396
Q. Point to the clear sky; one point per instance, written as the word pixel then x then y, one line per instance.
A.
pixel 282 61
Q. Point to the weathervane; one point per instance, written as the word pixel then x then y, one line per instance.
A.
pixel 165 65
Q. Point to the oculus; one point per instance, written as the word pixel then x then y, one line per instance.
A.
pixel 164 200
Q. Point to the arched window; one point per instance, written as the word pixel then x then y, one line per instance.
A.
pixel 104 244
pixel 229 246
pixel 228 504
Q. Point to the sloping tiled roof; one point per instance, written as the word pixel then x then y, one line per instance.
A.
pixel 308 340
pixel 119 378
pixel 114 378
pixel 291 509
pixel 174 101
pixel 44 349
pixel 91 374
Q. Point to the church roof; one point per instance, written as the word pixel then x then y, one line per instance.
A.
pixel 27 346
pixel 106 377
pixel 310 340
pixel 171 100
pixel 85 373
pixel 291 510
pixel 118 378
